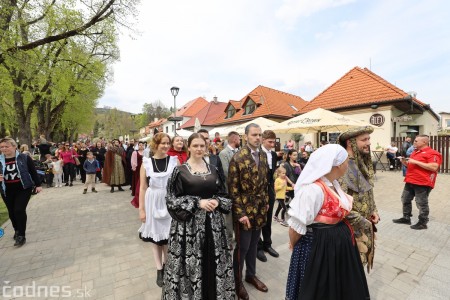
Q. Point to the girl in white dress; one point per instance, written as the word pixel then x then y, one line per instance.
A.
pixel 154 174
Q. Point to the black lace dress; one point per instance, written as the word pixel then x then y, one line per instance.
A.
pixel 199 264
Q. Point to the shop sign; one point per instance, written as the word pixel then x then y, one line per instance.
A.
pixel 404 118
pixel 377 120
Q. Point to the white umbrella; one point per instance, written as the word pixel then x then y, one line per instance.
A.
pixel 261 121
pixel 197 125
pixel 184 133
pixel 318 120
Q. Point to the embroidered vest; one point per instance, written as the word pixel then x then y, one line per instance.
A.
pixel 331 211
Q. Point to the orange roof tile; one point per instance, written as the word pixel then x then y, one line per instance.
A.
pixel 356 88
pixel 269 102
pixel 207 115
pixel 192 107
pixel 156 123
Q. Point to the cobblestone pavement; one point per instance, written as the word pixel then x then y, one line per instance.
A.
pixel 87 246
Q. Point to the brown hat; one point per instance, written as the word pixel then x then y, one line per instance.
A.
pixel 353 132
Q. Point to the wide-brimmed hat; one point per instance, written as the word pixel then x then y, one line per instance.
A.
pixel 353 132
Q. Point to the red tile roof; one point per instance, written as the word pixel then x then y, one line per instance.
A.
pixel 358 87
pixel 192 107
pixel 269 103
pixel 207 115
pixel 156 123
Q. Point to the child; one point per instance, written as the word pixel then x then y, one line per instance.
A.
pixel 57 171
pixel 90 167
pixel 48 171
pixel 280 194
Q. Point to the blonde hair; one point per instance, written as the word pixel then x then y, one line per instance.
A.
pixel 11 141
pixel 24 147
pixel 279 170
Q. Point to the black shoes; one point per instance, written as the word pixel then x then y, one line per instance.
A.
pixel 112 189
pixel 71 184
pixel 84 191
pixel 261 256
pixel 160 277
pixel 403 220
pixel 271 251
pixel 20 240
pixel 121 189
pixel 94 191
pixel 67 184
pixel 419 226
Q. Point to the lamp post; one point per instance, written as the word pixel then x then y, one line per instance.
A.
pixel 174 90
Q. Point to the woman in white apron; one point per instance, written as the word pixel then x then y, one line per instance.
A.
pixel 154 174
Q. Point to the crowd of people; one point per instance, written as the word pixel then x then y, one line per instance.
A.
pixel 206 207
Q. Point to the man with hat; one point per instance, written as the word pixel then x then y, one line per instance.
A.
pixel 358 182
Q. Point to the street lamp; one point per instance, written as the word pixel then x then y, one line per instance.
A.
pixel 174 90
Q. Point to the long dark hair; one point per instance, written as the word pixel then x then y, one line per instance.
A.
pixel 289 154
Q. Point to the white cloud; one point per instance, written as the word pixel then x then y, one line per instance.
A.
pixel 225 49
pixel 291 10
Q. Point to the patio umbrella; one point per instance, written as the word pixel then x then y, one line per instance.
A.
pixel 318 120
pixel 184 133
pixel 261 121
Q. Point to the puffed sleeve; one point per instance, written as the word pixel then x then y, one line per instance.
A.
pixel 179 204
pixel 304 207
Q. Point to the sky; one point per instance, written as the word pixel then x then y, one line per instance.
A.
pixel 227 48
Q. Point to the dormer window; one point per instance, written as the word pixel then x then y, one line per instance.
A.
pixel 249 107
pixel 230 112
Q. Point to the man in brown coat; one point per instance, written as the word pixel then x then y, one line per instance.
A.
pixel 247 187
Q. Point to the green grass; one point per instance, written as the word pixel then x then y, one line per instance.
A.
pixel 3 213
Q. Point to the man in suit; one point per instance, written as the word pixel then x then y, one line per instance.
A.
pixel 234 141
pixel 211 158
pixel 247 188
pixel 265 244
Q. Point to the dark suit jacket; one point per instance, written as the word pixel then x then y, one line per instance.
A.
pixel 248 187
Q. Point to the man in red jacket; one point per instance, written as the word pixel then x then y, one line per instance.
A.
pixel 419 181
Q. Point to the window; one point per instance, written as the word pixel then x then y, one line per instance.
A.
pixel 167 129
pixel 173 128
pixel 249 107
pixel 448 122
pixel 230 112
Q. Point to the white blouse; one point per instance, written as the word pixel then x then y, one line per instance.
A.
pixel 308 201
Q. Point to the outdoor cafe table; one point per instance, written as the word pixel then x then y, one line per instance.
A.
pixel 378 154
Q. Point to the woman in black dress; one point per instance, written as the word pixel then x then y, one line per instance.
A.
pixel 199 264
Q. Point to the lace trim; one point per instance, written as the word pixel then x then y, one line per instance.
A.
pixel 297 226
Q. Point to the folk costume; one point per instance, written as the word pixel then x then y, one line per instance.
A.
pixel 199 264
pixel 136 163
pixel 114 170
pixel 358 182
pixel 181 155
pixel 325 261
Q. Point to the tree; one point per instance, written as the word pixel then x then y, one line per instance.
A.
pixel 152 111
pixel 50 52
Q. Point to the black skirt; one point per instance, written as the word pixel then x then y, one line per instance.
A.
pixel 334 270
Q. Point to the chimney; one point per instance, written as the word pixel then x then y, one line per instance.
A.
pixel 215 99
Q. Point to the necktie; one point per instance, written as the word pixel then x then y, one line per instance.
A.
pixel 256 157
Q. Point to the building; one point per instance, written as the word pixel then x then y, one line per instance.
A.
pixel 186 111
pixel 445 122
pixel 207 116
pixel 365 96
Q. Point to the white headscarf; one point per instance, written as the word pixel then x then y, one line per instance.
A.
pixel 320 163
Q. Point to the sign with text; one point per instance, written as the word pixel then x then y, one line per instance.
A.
pixel 377 120
pixel 404 118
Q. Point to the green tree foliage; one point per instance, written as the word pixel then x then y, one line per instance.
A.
pixel 54 59
pixel 152 111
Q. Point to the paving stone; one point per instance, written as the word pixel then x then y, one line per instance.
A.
pixel 93 244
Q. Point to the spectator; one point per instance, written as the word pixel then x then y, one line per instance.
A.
pixel 421 174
